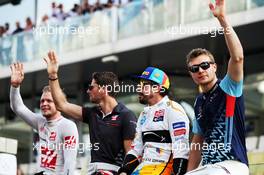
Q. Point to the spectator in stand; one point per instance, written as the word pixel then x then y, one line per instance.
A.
pixel 98 6
pixel 2 31
pixel 86 8
pixel 7 29
pixel 44 20
pixel 54 10
pixel 109 4
pixel 20 53
pixel 121 2
pixel 61 16
pixel 74 11
pixel 29 24
pixel 18 28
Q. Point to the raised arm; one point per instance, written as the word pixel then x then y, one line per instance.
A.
pixel 235 65
pixel 16 102
pixel 60 100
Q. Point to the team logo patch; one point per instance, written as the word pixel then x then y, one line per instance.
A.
pixel 159 150
pixel 159 115
pixel 179 128
pixel 145 73
pixel 114 118
pixel 48 158
pixel 69 141
pixel 178 125
pixel 157 75
pixel 52 136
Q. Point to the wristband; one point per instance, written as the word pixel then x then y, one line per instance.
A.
pixel 53 79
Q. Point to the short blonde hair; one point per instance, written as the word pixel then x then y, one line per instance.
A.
pixel 46 89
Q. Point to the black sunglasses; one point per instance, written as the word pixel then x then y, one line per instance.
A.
pixel 91 87
pixel 204 65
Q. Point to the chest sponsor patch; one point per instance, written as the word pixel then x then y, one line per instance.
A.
pixel 48 158
pixel 159 115
pixel 52 136
pixel 114 117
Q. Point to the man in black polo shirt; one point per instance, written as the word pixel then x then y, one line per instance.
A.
pixel 111 124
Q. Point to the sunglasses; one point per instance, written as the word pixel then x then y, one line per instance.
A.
pixel 91 87
pixel 204 65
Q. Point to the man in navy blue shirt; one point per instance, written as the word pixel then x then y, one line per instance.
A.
pixel 218 127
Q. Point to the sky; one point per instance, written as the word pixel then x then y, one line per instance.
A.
pixel 11 14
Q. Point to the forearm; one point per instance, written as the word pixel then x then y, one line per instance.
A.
pixel 233 43
pixel 127 145
pixel 56 91
pixel 17 105
pixel 60 100
pixel 194 160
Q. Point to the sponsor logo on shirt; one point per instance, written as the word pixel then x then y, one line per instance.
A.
pixel 178 125
pixel 159 115
pixel 143 120
pixel 179 128
pixel 114 118
pixel 48 158
pixel 159 151
pixel 145 73
pixel 179 132
pixel 52 136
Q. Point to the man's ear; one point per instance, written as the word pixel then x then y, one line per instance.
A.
pixel 104 89
pixel 215 66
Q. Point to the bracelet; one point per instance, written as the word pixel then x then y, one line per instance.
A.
pixel 53 79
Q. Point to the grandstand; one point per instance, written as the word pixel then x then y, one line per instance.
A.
pixel 125 40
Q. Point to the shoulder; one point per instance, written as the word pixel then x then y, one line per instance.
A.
pixel 231 87
pixel 176 111
pixel 41 120
pixel 89 110
pixel 174 107
pixel 67 123
pixel 124 111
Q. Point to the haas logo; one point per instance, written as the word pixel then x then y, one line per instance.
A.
pixel 69 141
pixel 52 136
pixel 48 158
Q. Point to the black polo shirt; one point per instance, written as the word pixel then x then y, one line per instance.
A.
pixel 108 133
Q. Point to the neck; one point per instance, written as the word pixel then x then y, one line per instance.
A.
pixel 155 99
pixel 108 104
pixel 56 116
pixel 209 86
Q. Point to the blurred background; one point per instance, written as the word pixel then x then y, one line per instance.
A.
pixel 123 36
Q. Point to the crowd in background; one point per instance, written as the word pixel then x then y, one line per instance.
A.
pixel 58 14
